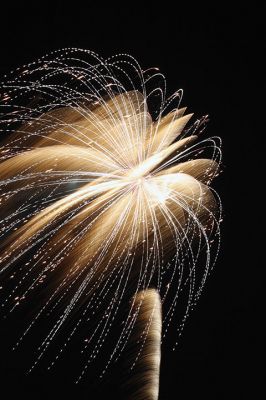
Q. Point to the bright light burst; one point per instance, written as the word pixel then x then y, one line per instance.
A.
pixel 103 195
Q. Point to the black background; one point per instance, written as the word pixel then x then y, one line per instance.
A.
pixel 214 54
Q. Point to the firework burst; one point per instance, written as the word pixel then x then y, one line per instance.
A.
pixel 104 195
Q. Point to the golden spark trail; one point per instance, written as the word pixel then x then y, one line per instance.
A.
pixel 144 348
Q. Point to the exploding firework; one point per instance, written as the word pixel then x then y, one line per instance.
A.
pixel 104 195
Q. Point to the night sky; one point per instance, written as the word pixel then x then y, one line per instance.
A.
pixel 212 53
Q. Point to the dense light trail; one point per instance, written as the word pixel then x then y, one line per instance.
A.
pixel 105 193
pixel 142 364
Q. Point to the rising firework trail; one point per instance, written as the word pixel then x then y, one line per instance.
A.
pixel 105 195
pixel 144 349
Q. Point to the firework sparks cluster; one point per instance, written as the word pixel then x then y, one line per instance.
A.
pixel 105 193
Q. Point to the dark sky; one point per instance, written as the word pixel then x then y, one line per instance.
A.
pixel 212 53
